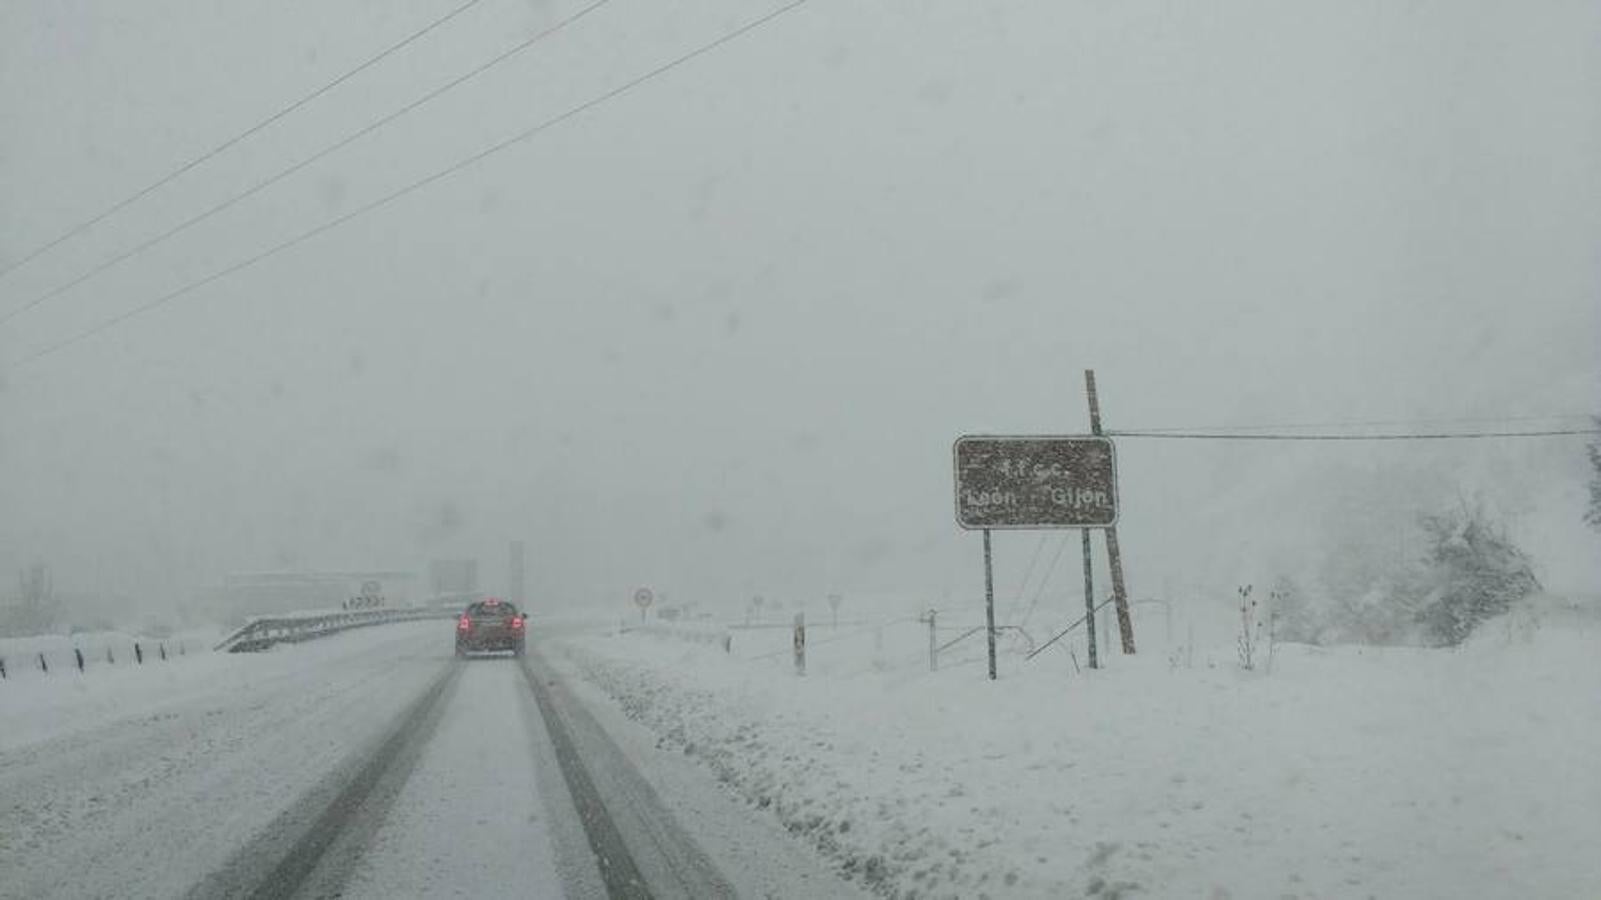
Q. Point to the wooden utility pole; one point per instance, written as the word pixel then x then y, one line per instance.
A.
pixel 1125 625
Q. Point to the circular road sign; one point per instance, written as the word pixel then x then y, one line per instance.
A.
pixel 643 596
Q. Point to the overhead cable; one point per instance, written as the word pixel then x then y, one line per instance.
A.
pixel 173 175
pixel 273 179
pixel 1421 436
pixel 464 163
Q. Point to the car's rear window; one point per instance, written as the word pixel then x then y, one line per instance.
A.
pixel 491 610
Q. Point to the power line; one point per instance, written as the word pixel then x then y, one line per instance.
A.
pixel 441 174
pixel 1390 423
pixel 85 225
pixel 340 144
pixel 1447 436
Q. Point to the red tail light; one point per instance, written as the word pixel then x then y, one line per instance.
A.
pixel 464 624
pixel 517 623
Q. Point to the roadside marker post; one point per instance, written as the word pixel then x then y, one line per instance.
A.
pixel 800 643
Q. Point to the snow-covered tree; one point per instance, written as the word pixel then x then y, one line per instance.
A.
pixel 36 607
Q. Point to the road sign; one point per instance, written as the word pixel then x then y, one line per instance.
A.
pixel 643 597
pixel 1035 482
pixel 834 600
pixel 371 589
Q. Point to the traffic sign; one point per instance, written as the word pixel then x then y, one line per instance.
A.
pixel 643 597
pixel 1035 482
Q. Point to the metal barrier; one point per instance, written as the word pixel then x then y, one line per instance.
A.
pixel 263 632
pixel 700 633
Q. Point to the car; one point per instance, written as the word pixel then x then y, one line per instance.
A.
pixel 490 625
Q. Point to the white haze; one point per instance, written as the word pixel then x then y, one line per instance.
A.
pixel 718 335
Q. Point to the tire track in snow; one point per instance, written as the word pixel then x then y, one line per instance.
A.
pixel 641 849
pixel 342 809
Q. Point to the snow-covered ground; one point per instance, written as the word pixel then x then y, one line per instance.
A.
pixel 142 780
pixel 198 777
pixel 1342 772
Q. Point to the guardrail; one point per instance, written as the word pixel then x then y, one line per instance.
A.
pixel 698 632
pixel 265 631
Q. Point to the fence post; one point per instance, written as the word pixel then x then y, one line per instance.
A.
pixel 79 654
pixel 138 653
pixel 43 666
pixel 3 674
pixel 110 660
pixel 163 651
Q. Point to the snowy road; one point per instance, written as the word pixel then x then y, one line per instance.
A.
pixel 365 765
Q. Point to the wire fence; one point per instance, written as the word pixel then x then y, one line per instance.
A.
pixel 908 645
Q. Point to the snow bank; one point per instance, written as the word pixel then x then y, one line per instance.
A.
pixel 1342 772
pixel 35 706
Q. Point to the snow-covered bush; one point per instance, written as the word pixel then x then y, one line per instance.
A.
pixel 1293 616
pixel 1384 614
pixel 1473 572
pixel 1375 592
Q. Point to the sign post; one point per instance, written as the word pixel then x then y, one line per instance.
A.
pixel 989 602
pixel 834 601
pixel 642 599
pixel 1033 482
pixel 1089 597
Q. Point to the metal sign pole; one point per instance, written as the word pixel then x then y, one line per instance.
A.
pixel 989 599
pixel 1089 597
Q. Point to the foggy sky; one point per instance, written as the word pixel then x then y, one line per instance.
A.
pixel 717 336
